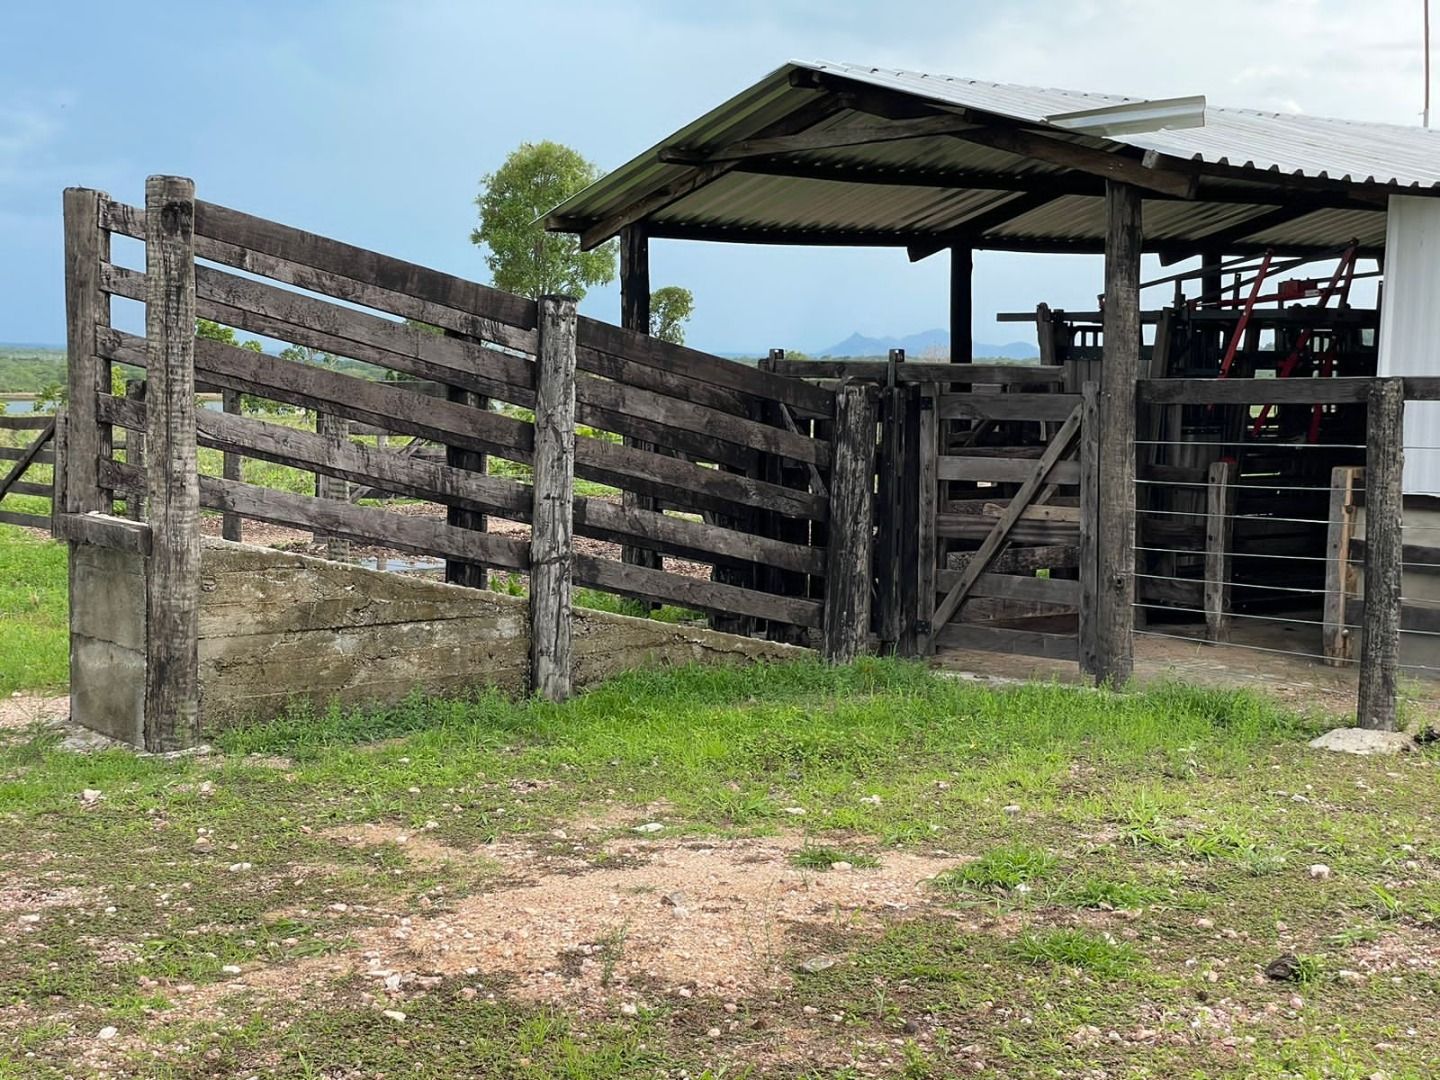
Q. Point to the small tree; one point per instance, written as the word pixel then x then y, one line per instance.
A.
pixel 524 258
pixel 670 309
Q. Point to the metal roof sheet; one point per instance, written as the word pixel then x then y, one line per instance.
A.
pixel 1265 147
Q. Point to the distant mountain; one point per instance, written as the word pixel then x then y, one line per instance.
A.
pixel 916 345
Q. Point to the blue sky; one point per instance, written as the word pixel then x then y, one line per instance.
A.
pixel 372 121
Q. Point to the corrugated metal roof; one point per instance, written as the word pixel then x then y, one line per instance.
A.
pixel 909 192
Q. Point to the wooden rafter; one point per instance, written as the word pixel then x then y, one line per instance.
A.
pixel 972 230
pixel 867 134
pixel 697 177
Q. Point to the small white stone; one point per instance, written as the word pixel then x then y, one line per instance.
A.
pixel 842 865
pixel 90 796
pixel 108 1033
pixel 629 1008
pixel 794 811
pixel 873 800
pixel 394 1014
pixel 231 969
pixel 1012 809
pixel 239 867
pixel 1205 924
pixel 1319 872
pixel 713 1033
pixel 649 827
pixel 1354 740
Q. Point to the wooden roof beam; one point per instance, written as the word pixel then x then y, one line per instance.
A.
pixel 802 119
pixel 829 139
pixel 972 231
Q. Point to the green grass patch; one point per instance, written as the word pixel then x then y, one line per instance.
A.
pixel 999 868
pixel 34 630
pixel 1101 892
pixel 1096 953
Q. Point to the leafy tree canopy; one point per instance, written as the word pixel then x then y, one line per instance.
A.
pixel 670 309
pixel 524 258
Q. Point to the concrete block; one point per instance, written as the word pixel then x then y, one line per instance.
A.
pixel 107 688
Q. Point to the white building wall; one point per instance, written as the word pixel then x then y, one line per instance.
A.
pixel 1410 327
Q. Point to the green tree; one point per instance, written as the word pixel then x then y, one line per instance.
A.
pixel 670 309
pixel 524 258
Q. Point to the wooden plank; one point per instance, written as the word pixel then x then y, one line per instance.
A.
pixel 408 476
pixel 362 524
pixel 996 540
pixel 1175 178
pixel 25 423
pixel 1339 570
pixel 923 371
pixel 135 452
pixel 388 404
pixel 1061 591
pixel 1020 560
pixel 643 583
pixel 232 467
pixel 86 307
pixel 1087 557
pixel 449 313
pixel 26 458
pixel 1001 470
pixel 977 527
pixel 172 583
pixel 26 521
pixel 1006 640
pixel 687 425
pixel 551 547
pixel 103 530
pixel 849 573
pixel 1252 391
pixel 1376 704
pixel 1115 499
pixel 25 487
pixel 15 453
pixel 1052 407
pixel 1219 513
pixel 928 548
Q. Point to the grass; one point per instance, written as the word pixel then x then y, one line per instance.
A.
pixel 1143 910
pixel 34 632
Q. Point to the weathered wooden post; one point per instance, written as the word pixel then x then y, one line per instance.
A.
pixel 172 601
pixel 1339 569
pixel 1115 525
pixel 929 552
pixel 87 245
pixel 552 525
pixel 635 315
pixel 337 430
pixel 1219 513
pixel 889 503
pixel 135 453
pixel 1089 528
pixel 1384 555
pixel 232 467
pixel 848 569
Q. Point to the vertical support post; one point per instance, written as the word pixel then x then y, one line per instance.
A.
pixel 552 527
pixel 337 430
pixel 1339 571
pixel 962 310
pixel 929 552
pixel 848 569
pixel 1219 515
pixel 87 245
pixel 59 446
pixel 908 549
pixel 635 315
pixel 888 505
pixel 1089 527
pixel 1384 555
pixel 135 453
pixel 172 603
pixel 1115 531
pixel 232 467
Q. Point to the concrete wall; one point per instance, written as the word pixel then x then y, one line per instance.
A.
pixel 276 627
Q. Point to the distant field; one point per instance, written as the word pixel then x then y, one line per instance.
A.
pixel 26 369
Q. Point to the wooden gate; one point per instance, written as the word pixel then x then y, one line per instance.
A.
pixel 982 496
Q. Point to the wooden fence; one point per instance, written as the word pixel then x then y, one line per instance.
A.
pixel 730 455
pixel 36 437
